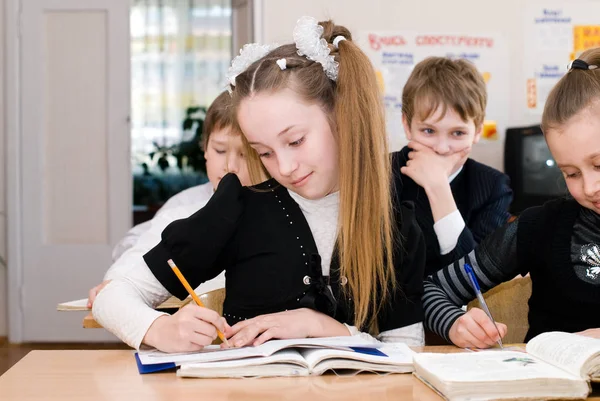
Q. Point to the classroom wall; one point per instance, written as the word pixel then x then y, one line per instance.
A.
pixel 3 291
pixel 461 16
pixel 278 18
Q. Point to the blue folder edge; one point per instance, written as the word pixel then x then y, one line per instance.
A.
pixel 369 351
pixel 152 368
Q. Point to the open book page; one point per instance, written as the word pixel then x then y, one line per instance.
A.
pixel 488 366
pixel 396 358
pixel 287 362
pixel 214 353
pixel 566 350
pixel 388 354
pixel 79 304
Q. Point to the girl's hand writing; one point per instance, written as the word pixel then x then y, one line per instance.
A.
pixel 190 329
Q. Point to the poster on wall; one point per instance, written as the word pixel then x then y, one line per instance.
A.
pixel 555 35
pixel 395 53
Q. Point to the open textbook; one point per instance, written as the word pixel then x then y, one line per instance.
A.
pixel 556 366
pixel 299 357
pixel 390 358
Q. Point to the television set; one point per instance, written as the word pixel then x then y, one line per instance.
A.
pixel 534 175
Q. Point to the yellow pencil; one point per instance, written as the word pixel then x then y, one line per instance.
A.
pixel 192 293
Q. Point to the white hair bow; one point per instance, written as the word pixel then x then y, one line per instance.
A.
pixel 248 55
pixel 307 36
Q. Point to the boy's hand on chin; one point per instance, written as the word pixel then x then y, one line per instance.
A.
pixel 427 168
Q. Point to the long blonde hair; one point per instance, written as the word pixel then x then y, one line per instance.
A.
pixel 355 111
pixel 575 91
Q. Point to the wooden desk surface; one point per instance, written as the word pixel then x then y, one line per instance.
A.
pixel 90 323
pixel 112 375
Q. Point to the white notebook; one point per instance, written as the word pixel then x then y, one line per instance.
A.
pixel 390 358
pixel 81 304
pixel 556 366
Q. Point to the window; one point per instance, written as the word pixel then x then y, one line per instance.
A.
pixel 180 53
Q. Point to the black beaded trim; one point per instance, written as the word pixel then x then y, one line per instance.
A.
pixel 302 249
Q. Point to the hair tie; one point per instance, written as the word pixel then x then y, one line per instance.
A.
pixel 579 64
pixel 337 40
pixel 282 63
pixel 309 43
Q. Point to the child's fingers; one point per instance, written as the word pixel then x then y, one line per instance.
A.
pixel 484 321
pixel 266 336
pixel 482 339
pixel 414 145
pixel 469 333
pixel 203 328
pixel 472 341
pixel 93 293
pixel 199 341
pixel 247 335
pixel 503 329
pixel 207 315
pixel 460 157
pixel 91 297
pixel 233 330
pixel 475 329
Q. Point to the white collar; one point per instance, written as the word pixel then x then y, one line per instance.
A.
pixel 453 176
pixel 310 205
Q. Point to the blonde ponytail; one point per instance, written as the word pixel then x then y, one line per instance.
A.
pixel 353 104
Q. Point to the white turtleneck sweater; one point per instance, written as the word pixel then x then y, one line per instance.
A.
pixel 322 218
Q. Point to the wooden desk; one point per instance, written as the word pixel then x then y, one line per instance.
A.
pixel 112 375
pixel 90 323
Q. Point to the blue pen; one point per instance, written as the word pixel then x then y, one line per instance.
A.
pixel 475 285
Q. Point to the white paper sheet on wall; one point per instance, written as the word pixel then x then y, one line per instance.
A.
pixel 554 34
pixel 395 53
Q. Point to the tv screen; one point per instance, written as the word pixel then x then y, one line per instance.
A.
pixel 541 176
pixel 534 176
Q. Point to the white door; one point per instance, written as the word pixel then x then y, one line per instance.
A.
pixel 75 189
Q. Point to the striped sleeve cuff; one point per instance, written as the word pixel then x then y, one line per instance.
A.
pixel 440 313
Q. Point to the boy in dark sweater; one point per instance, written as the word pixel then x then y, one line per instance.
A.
pixel 458 200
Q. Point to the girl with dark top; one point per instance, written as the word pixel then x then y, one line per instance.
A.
pixel 558 243
pixel 323 248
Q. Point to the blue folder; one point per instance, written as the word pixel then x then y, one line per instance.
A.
pixel 152 368
pixel 369 351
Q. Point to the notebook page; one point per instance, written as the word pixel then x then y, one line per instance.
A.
pixel 566 350
pixel 284 356
pixel 488 366
pixel 79 304
pixel 282 363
